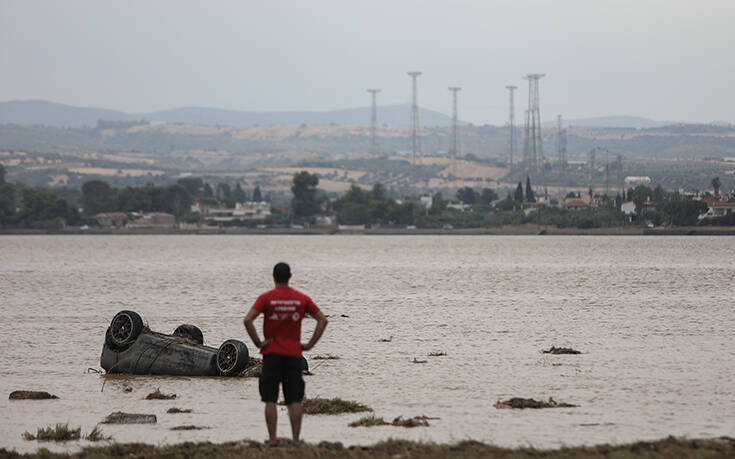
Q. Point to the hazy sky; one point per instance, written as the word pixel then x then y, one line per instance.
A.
pixel 661 59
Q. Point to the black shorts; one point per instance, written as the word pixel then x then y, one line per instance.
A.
pixel 285 370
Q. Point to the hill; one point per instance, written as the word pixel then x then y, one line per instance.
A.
pixel 60 115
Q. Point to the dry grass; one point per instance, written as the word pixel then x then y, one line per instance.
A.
pixel 97 435
pixel 60 432
pixel 332 406
pixel 158 395
pixel 561 350
pixel 660 449
pixel 30 395
pixel 368 421
pixel 417 421
pixel 522 403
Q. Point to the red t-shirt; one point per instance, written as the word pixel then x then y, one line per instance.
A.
pixel 283 309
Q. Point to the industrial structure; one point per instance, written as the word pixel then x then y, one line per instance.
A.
pixel 415 124
pixel 454 151
pixel 511 136
pixel 533 154
pixel 373 123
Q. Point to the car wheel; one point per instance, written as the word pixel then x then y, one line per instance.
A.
pixel 125 328
pixel 232 357
pixel 190 332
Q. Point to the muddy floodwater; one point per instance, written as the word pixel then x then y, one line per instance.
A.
pixel 654 318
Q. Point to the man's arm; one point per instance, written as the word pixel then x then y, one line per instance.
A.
pixel 321 324
pixel 250 327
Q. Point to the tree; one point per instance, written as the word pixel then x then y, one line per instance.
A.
pixel 518 196
pixel 488 195
pixel 98 196
pixel 529 191
pixel 438 204
pixel 640 196
pixel 715 185
pixel 223 192
pixel 304 203
pixel 2 174
pixel 207 191
pixel 239 195
pixel 467 195
pixel 684 211
pixel 178 200
pixel 257 196
pixel 658 195
pixel 7 204
pixel 44 209
pixel 194 185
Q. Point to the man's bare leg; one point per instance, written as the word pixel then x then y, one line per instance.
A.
pixel 294 414
pixel 271 420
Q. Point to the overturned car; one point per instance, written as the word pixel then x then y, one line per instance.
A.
pixel 130 347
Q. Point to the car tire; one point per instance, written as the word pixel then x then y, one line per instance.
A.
pixel 232 357
pixel 124 329
pixel 190 332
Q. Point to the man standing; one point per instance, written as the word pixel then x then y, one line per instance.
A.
pixel 283 309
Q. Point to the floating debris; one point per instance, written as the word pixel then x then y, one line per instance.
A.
pixel 97 435
pixel 415 360
pixel 417 421
pixel 127 388
pixel 158 395
pixel 561 350
pixel 60 432
pixel 400 421
pixel 30 395
pixel 521 403
pixel 254 369
pixel 386 340
pixel 332 406
pixel 368 421
pixel 178 410
pixel 325 357
pixel 437 354
pixel 119 417
pixel 189 427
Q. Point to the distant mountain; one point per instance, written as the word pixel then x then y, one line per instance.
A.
pixel 612 121
pixel 53 114
pixel 60 115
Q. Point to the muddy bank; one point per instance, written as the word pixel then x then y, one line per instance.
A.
pixel 665 448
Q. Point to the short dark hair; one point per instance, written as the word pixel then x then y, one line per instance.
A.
pixel 281 272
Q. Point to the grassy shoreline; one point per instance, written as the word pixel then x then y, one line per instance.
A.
pixel 514 230
pixel 665 448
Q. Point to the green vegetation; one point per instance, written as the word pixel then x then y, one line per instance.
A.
pixel 304 204
pixel 60 432
pixel 360 207
pixel 661 449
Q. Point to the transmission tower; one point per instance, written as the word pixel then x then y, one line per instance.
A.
pixel 415 140
pixel 562 145
pixel 511 137
pixel 373 123
pixel 455 133
pixel 532 148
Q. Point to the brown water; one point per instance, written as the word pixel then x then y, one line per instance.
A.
pixel 653 317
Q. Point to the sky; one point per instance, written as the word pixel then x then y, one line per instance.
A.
pixel 668 60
